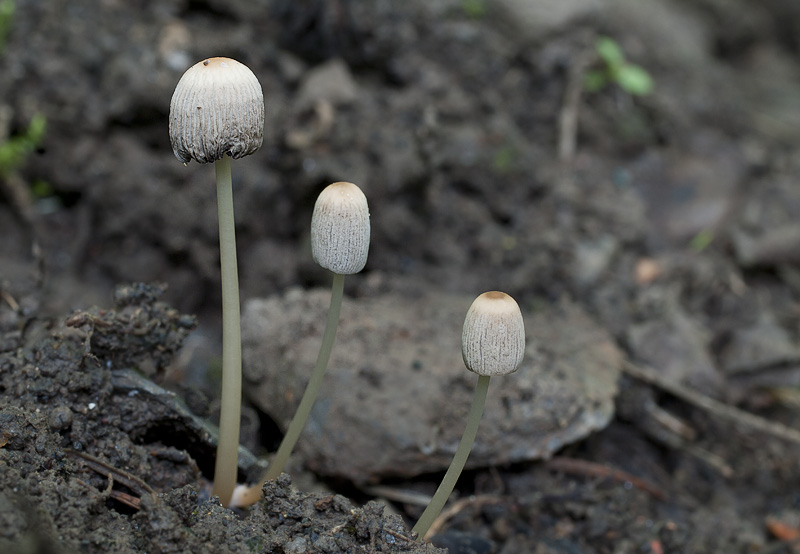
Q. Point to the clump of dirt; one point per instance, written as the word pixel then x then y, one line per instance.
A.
pixel 96 458
pixel 140 333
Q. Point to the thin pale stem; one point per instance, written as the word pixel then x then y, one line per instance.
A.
pixel 459 460
pixel 226 468
pixel 312 389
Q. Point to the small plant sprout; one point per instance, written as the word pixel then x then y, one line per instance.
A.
pixel 492 343
pixel 340 233
pixel 629 77
pixel 217 113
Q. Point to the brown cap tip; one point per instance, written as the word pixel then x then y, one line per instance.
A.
pixel 340 229
pixel 217 108
pixel 493 339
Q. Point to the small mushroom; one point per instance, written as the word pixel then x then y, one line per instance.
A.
pixel 493 338
pixel 340 229
pixel 492 343
pixel 340 232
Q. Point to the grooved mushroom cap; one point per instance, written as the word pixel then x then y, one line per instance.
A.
pixel 493 339
pixel 340 229
pixel 217 108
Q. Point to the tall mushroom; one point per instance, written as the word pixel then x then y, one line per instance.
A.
pixel 492 343
pixel 217 113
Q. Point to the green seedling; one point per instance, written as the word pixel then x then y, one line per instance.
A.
pixel 629 77
pixel 474 9
pixel 492 343
pixel 217 113
pixel 7 8
pixel 41 189
pixel 16 149
pixel 702 240
pixel 340 233
pixel 503 159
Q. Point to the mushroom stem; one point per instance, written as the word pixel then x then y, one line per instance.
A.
pixel 459 460
pixel 312 389
pixel 225 470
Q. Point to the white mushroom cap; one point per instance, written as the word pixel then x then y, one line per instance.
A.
pixel 340 229
pixel 493 339
pixel 217 108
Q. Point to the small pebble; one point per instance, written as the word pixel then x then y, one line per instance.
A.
pixel 297 546
pixel 60 418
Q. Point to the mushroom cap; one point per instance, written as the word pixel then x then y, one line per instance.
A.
pixel 217 108
pixel 340 229
pixel 493 339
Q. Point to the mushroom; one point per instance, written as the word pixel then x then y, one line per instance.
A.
pixel 492 343
pixel 217 109
pixel 217 113
pixel 340 233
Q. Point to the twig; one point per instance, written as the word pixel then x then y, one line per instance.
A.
pixel 575 466
pixel 398 535
pixel 12 303
pixel 125 498
pixel 668 420
pixel 127 479
pixel 568 116
pixel 458 506
pixel 712 406
pixel 716 462
pixel 679 436
pixel 122 497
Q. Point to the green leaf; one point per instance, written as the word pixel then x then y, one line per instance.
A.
pixel 42 189
pixel 14 151
pixel 6 8
pixel 609 51
pixel 702 240
pixel 594 81
pixel 6 17
pixel 503 159
pixel 634 80
pixel 474 8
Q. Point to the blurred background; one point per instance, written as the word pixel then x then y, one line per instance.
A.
pixel 539 147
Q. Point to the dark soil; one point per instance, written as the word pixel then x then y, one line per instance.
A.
pixel 667 222
pixel 97 459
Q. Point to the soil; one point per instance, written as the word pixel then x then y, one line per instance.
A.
pixel 651 242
